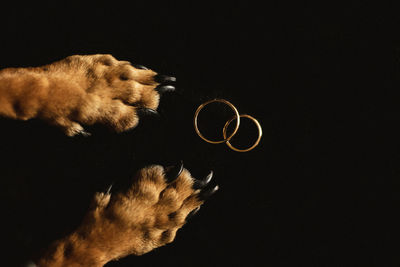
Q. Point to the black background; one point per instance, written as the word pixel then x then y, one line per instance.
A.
pixel 321 189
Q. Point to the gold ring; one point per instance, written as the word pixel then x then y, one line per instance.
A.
pixel 237 117
pixel 257 141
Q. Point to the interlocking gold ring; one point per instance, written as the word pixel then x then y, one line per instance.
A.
pixel 237 117
pixel 257 141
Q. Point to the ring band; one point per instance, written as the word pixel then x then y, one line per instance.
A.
pixel 237 117
pixel 257 141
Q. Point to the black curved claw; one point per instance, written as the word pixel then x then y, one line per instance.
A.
pixel 147 112
pixel 192 213
pixel 205 194
pixel 160 78
pixel 165 88
pixel 173 172
pixel 199 184
pixel 141 67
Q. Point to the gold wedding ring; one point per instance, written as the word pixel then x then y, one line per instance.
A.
pixel 224 130
pixel 225 138
pixel 259 133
